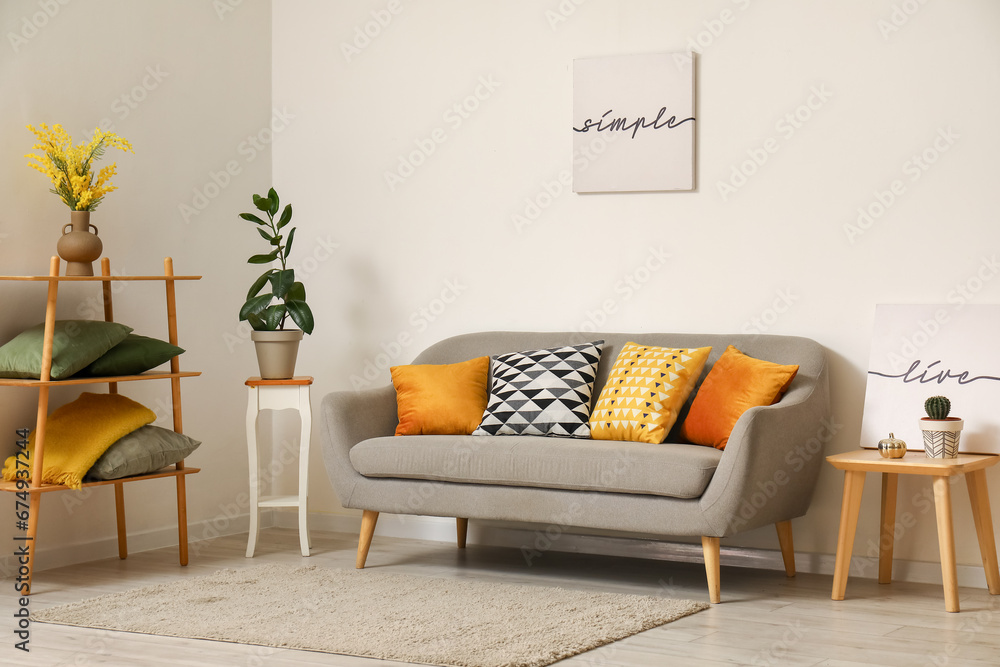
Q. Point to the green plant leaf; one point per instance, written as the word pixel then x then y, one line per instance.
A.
pixel 281 282
pixel 256 322
pixel 252 218
pixel 264 259
pixel 267 237
pixel 258 284
pixel 297 292
pixel 288 243
pixel 272 197
pixel 273 316
pixel 276 240
pixel 263 204
pixel 301 315
pixel 255 305
pixel 286 216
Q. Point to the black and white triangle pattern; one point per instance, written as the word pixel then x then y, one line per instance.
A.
pixel 542 392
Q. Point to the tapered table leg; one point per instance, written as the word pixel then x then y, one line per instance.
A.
pixel 854 484
pixel 887 537
pixel 980 499
pixel 946 542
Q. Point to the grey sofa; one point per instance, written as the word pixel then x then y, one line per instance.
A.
pixel 766 474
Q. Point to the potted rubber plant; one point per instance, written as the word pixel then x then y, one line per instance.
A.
pixel 941 432
pixel 269 312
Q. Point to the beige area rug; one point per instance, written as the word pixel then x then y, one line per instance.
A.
pixel 378 615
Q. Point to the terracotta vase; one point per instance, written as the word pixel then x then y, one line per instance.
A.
pixel 78 246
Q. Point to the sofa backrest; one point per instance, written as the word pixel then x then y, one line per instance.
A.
pixel 808 354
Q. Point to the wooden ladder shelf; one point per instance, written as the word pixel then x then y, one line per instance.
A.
pixel 178 471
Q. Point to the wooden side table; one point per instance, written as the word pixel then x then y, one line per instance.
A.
pixel 291 394
pixel 973 466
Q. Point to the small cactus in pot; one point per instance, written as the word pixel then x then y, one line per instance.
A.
pixel 937 407
pixel 941 432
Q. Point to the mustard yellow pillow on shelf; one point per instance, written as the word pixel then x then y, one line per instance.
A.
pixel 442 399
pixel 646 388
pixel 79 432
pixel 735 384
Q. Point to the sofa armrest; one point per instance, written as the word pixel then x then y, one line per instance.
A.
pixel 347 418
pixel 772 460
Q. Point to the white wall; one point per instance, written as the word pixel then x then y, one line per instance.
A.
pixel 880 95
pixel 378 261
pixel 211 87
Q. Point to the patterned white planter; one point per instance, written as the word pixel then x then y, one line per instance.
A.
pixel 941 436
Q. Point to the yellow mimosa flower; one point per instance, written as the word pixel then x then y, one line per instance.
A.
pixel 69 167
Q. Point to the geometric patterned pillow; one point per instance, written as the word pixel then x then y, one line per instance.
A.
pixel 542 392
pixel 646 388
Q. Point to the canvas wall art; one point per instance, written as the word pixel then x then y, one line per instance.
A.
pixel 919 351
pixel 634 124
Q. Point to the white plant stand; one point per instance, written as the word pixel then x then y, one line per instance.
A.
pixel 290 394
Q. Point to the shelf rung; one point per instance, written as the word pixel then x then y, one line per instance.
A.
pixel 149 375
pixel 45 488
pixel 278 501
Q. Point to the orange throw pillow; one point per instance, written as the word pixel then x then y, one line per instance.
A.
pixel 735 384
pixel 440 399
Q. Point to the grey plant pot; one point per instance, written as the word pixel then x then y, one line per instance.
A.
pixel 276 352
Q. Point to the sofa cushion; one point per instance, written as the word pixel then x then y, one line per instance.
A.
pixel 735 384
pixel 542 392
pixel 443 399
pixel 677 471
pixel 645 391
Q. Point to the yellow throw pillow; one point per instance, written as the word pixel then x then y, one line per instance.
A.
pixel 646 388
pixel 735 384
pixel 442 399
pixel 79 432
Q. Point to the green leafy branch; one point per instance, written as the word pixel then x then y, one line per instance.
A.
pixel 259 311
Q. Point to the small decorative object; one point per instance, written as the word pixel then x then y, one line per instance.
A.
pixel 276 347
pixel 78 246
pixel 892 447
pixel 941 432
pixel 70 170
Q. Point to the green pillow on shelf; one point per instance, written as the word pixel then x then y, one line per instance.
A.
pixel 132 356
pixel 142 451
pixel 75 344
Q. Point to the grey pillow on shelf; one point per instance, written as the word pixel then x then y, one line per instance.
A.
pixel 141 452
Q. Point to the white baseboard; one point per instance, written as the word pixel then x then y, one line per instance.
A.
pixel 488 534
pixel 51 557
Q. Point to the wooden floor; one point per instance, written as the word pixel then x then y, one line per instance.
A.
pixel 765 618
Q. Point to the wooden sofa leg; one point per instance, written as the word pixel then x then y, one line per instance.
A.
pixel 784 529
pixel 368 521
pixel 462 529
pixel 710 546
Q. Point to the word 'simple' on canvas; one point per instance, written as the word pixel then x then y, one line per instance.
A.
pixel 635 114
